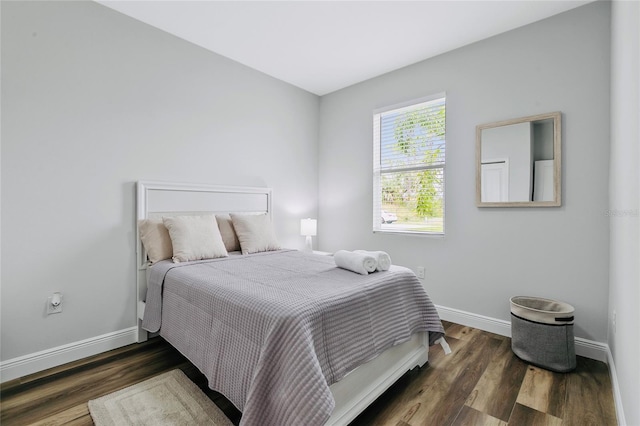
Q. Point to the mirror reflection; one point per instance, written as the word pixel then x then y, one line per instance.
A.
pixel 519 162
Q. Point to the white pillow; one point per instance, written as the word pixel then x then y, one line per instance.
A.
pixel 194 238
pixel 255 233
pixel 156 239
pixel 227 232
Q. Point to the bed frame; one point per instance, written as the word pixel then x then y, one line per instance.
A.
pixel 356 391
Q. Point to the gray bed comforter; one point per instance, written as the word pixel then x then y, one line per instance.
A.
pixel 272 331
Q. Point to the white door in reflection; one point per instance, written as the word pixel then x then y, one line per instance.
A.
pixel 495 181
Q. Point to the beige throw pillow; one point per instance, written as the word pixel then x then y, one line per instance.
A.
pixel 195 238
pixel 227 232
pixel 255 233
pixel 156 239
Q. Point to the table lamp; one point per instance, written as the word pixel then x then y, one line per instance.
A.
pixel 308 228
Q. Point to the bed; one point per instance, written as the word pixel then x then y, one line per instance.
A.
pixel 285 335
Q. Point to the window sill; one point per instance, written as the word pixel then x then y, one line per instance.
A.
pixel 412 233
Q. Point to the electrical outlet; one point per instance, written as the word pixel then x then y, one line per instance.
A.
pixel 54 304
pixel 420 272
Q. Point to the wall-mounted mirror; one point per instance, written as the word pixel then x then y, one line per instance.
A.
pixel 518 162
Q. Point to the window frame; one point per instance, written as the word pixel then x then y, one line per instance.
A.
pixel 377 172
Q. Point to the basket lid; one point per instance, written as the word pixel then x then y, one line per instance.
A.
pixel 538 309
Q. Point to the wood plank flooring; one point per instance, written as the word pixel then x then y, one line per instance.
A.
pixel 480 383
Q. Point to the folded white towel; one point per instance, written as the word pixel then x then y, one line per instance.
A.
pixel 356 262
pixel 382 258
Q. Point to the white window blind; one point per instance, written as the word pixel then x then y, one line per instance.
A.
pixel 408 168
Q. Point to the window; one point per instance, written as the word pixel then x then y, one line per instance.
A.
pixel 408 167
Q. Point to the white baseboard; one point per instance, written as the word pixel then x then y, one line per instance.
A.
pixel 616 389
pixel 32 363
pixel 492 325
pixel 584 347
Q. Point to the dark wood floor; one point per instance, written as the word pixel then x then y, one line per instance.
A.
pixel 480 383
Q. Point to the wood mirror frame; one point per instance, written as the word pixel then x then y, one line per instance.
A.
pixel 510 176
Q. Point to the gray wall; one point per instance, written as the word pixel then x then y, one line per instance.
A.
pixel 93 101
pixel 489 255
pixel 624 296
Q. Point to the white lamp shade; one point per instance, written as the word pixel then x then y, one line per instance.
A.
pixel 308 227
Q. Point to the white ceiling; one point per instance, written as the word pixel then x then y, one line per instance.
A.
pixel 323 46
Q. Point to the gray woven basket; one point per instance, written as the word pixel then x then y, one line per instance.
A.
pixel 542 332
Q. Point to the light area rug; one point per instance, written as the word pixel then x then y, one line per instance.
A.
pixel 168 399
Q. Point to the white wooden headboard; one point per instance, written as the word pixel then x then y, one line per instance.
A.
pixel 157 199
